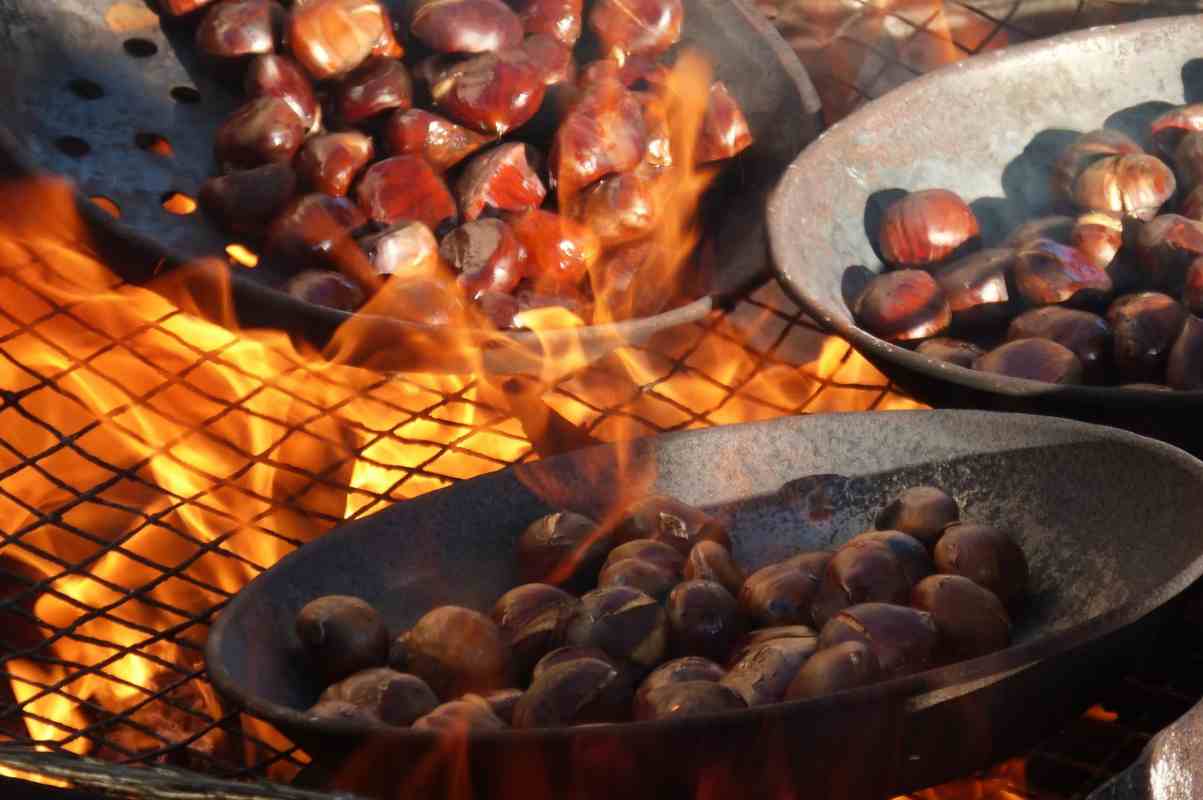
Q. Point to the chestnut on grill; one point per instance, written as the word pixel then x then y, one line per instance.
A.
pixel 561 250
pixel 690 669
pixel 246 201
pixel 647 577
pixel 465 26
pixel 1131 185
pixel 407 250
pixel 558 18
pixel 970 618
pixel 1086 150
pixel 779 594
pixel 1034 360
pixel 1192 289
pixel 725 133
pixel 1057 228
pixel 623 622
pixel 264 131
pixel 502 178
pixel 1144 327
pixel 405 187
pixel 564 549
pixel 986 555
pixel 438 140
pixel 903 305
pixel 325 288
pixel 533 619
pixel 860 572
pixel 458 650
pixel 666 519
pixel 1087 335
pixel 926 227
pixel 1099 237
pixel 703 620
pixel 662 555
pixel 688 699
pixel 911 553
pixel 392 697
pixel 459 716
pixel 342 635
pixel 562 655
pixel 903 639
pixel 603 133
pixel 835 669
pixel 487 256
pixel 503 702
pixel 1185 367
pixel 491 92
pixel 329 163
pixel 710 561
pixel 333 37
pixel 618 209
pixel 313 231
pixel 633 27
pixel 954 351
pixel 279 76
pixel 976 286
pixel 764 672
pixel 1047 273
pixel 236 28
pixel 1165 249
pixel 379 84
pixel 921 511
pixel 582 691
pixel 753 639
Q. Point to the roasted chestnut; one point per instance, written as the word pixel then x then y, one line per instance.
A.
pixel 860 572
pixel 903 305
pixel 237 28
pixel 970 618
pixel 1086 150
pixel 460 716
pixel 689 669
pixel 926 227
pixel 632 27
pixel 1168 129
pixel 1188 161
pixel 407 250
pixel 1185 367
pixel 491 92
pixel 314 232
pixel 503 702
pixel 458 650
pixel 533 619
pixel 1145 327
pixel 703 620
pixel 279 76
pixel 779 594
pixel 1131 185
pixel 264 131
pixel 618 209
pixel 954 351
pixel 1192 205
pixel 333 37
pixel 342 711
pixel 560 250
pixel 582 691
pixel 603 133
pixel 329 163
pixel 921 511
pixel 688 699
pixel 1192 289
pixel 377 85
pixel 342 636
pixel 501 178
pixel 245 202
pixel 976 286
pixel 764 672
pixel 465 26
pixel 1087 335
pixel 562 655
pixel 405 187
pixel 1098 236
pixel 553 59
pixel 1058 228
pixel 325 288
pixel 564 549
pixel 661 554
pixel 725 133
pixel 558 18
pixel 710 561
pixel 623 622
pixel 903 639
pixel 392 697
pixel 647 577
pixel 1047 273
pixel 753 639
pixel 1165 249
pixel 666 519
pixel 1033 360
pixel 909 550
pixel 986 555
pixel 438 140
pixel 835 669
pixel 487 256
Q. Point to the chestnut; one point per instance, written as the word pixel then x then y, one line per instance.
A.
pixel 970 618
pixel 582 691
pixel 342 635
pixel 603 133
pixel 245 202
pixel 725 133
pixel 667 519
pixel 1098 236
pixel 279 76
pixel 1144 327
pixel 703 620
pixel 1131 185
pixel 426 301
pixel 689 669
pixel 753 639
pixel 1047 273
pixel 392 697
pixel 710 561
pixel 688 699
pixel 405 187
pixel 406 249
pixel 1192 205
pixel 237 28
pixel 562 655
pixel 503 702
pixel 835 669
pixel 1034 360
pixel 1058 228
pixel 619 208
pixel 1165 249
pixel 860 572
pixel 779 594
pixel 986 555
pixel 976 286
pixel 1184 370
pixel 313 232
pixel 325 288
pixel 333 37
pixel 377 85
pixel 954 351
pixel 558 18
pixel 553 59
pixel 926 227
pixel 438 140
pixel 1168 129
pixel 501 178
pixel 633 27
pixel 341 711
pixel 264 131
pixel 458 650
pixel 460 716
pixel 561 250
pixel 491 92
pixel 465 26
pixel 909 550
pixel 1086 150
pixel 1188 161
pixel 903 639
pixel 764 672
pixel 533 619
pixel 1087 335
pixel 921 511
pixel 329 163
pixel 564 549
pixel 812 563
pixel 649 578
pixel 622 622
pixel 487 256
pixel 903 305
pixel 661 554
pixel 1192 287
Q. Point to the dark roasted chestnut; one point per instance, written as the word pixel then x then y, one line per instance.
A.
pixel 329 163
pixel 647 577
pixel 1034 360
pixel 245 202
pixel 1165 249
pixel 688 699
pixel 661 554
pixel 377 85
pixel 237 28
pixel 407 250
pixel 618 209
pixel 558 18
pixel 703 620
pixel 666 519
pixel 325 288
pixel 725 133
pixel 764 672
pixel 925 228
pixel 909 550
pixel 603 133
pixel 560 249
pixel 710 561
pixel 392 697
pixel 954 351
pixel 314 232
pixel 333 37
pixel 623 622
pixel 835 669
pixel 1144 327
pixel 1131 185
pixel 487 256
pixel 279 76
pixel 970 618
pixel 976 286
pixel 564 549
pixel 264 131
pixel 1185 367
pixel 860 572
pixel 458 650
pixel 562 655
pixel 779 594
pixel 460 716
pixel 627 27
pixel 921 511
pixel 753 639
pixel 503 702
pixel 465 26
pixel 1192 289
pixel 533 619
pixel 501 178
pixel 903 639
pixel 582 691
pixel 689 669
pixel 903 305
pixel 491 92
pixel 1047 273
pixel 1085 151
pixel 405 187
pixel 986 555
pixel 342 636
pixel 1087 335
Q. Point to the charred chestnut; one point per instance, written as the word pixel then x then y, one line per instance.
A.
pixel 392 697
pixel 465 26
pixel 438 140
pixel 405 187
pixel 1165 249
pixel 246 201
pixel 1145 327
pixel 491 92
pixel 627 27
pixel 407 250
pixel 325 288
pixel 586 690
pixel 333 37
pixel 921 511
pixel 1185 367
pixel 329 163
pixel 237 28
pixel 281 77
pixel 976 286
pixel 264 131
pixel 987 556
pixel 710 561
pixel 1047 273
pixel 835 669
pixel 1131 185
pixel 779 594
pixel 926 227
pixel 564 549
pixel 460 716
pixel 666 519
pixel 970 618
pixel 688 699
pixel 502 178
pixel 379 84
pixel 458 650
pixel 487 256
pixel 954 351
pixel 860 572
pixel 1087 335
pixel 903 305
pixel 649 578
pixel 703 620
pixel 533 619
pixel 662 555
pixel 623 622
pixel 764 672
pixel 903 639
pixel 342 635
pixel 1033 360
pixel 1088 149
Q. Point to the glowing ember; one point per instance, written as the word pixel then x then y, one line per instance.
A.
pixel 242 254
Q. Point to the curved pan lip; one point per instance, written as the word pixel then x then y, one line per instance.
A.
pixel 892 105
pixel 914 692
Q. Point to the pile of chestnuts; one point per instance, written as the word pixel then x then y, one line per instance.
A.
pixel 674 627
pixel 1111 296
pixel 378 147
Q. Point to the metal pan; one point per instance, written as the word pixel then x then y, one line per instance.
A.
pixel 59 55
pixel 987 128
pixel 1106 518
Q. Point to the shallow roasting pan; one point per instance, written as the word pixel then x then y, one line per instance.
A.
pixel 1108 520
pixel 987 128
pixel 86 85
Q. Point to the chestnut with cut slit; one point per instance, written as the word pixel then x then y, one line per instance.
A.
pixel 667 519
pixel 619 208
pixel 647 577
pixel 921 511
pixel 492 93
pixel 561 250
pixel 762 675
pixel 725 133
pixel 342 635
pixel 578 692
pixel 315 231
pixel 1047 273
pixel 333 37
pixel 406 249
pixel 1034 360
pixel 438 140
pixel 1086 150
pixel 954 351
pixel 562 655
pixel 903 639
pixel 558 18
pixel 988 556
pixel 976 286
pixel 503 702
pixel 1168 129
pixel 860 572
pixel 245 202
pixel 1136 185
pixel 635 27
pixel 458 650
pixel 563 549
pixel 909 550
pixel 970 618
pixel 405 187
pixel 689 669
pixel 1165 249
pixel 533 619
pixel 844 666
pixel 710 561
pixel 903 305
pixel 394 698
pixel 623 622
pixel 602 134
pixel 926 227
pixel 755 638
pixel 1145 327
pixel 655 552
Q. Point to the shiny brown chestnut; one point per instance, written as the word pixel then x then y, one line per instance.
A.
pixel 582 691
pixel 1086 150
pixel 458 717
pixel 1165 248
pixel 703 620
pixel 1132 186
pixel 342 635
pixel 458 650
pixel 986 555
pixel 1087 335
pixel 558 18
pixel 921 511
pixel 1168 129
pixel 561 250
pixel 926 227
pixel 245 202
pixel 725 132
pixel 903 305
pixel 632 27
pixel 264 131
pixel 909 550
pixel 1047 273
pixel 1058 228
pixel 465 26
pixel 970 618
pixel 689 669
pixel 438 140
pixel 562 655
pixel 903 639
pixel 710 561
pixel 279 76
pixel 487 256
pixel 238 28
pixel 321 287
pixel 553 59
pixel 1144 327
pixel 405 187
pixel 667 519
pixel 492 92
pixel 619 208
pixel 623 622
pixel 533 619
pixel 407 250
pixel 330 162
pixel 603 133
pixel 764 672
pixel 954 351
pixel 779 594
pixel 563 549
pixel 377 85
pixel 1184 370
pixel 1099 236
pixel 1034 360
pixel 501 178
pixel 1192 287
pixel 661 554
pixel 688 699
pixel 651 579
pixel 394 698
pixel 860 572
pixel 332 37
pixel 976 286
pixel 836 669
pixel 314 232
